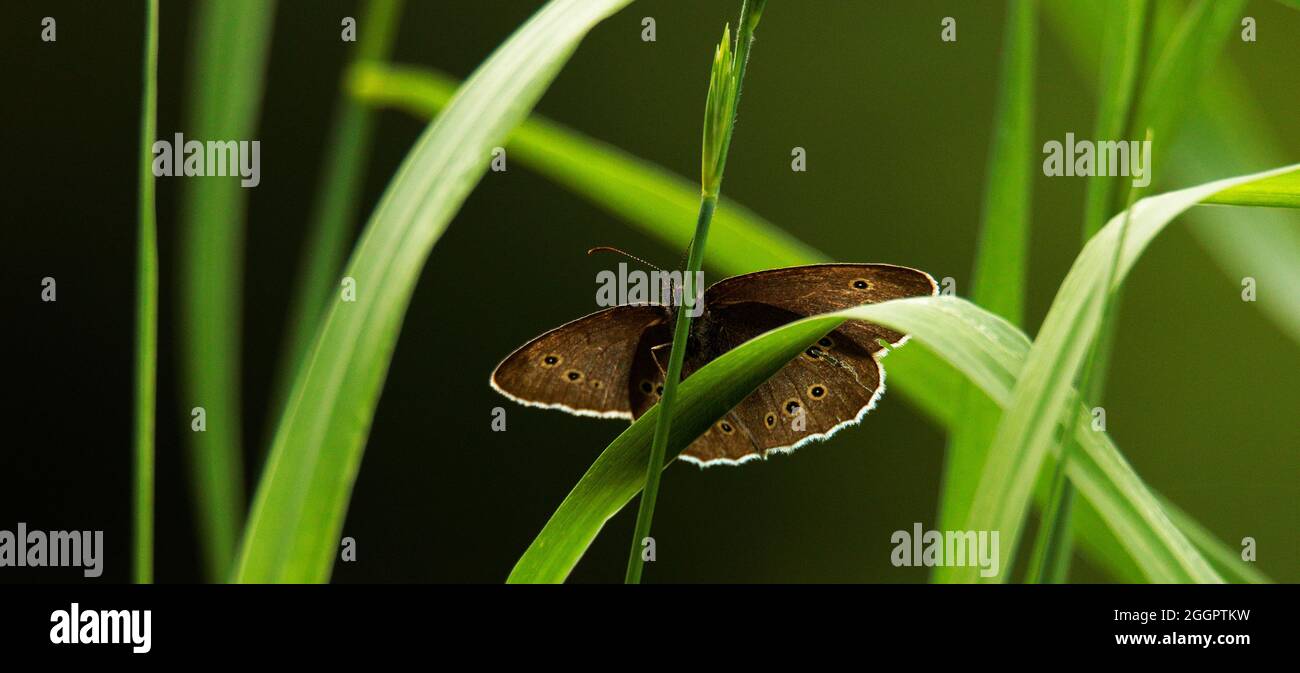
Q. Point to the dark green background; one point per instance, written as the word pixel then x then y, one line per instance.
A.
pixel 896 125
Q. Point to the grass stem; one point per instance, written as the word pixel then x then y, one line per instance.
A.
pixel 146 313
pixel 719 122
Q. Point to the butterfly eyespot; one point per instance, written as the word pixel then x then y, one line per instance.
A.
pixel 550 361
pixel 816 391
pixel 770 419
pixel 791 406
pixel 726 428
pixel 596 384
pixel 646 387
pixel 813 352
pixel 861 284
pixel 659 390
pixel 573 375
pixel 825 342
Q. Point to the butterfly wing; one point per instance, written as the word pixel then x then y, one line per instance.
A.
pixel 821 391
pixel 820 288
pixel 585 367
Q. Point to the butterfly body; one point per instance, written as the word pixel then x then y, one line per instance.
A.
pixel 612 362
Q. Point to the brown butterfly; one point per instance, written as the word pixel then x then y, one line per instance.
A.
pixel 611 363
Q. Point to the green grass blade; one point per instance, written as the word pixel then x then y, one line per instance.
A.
pixel 985 348
pixel 1280 191
pixel 1025 434
pixel 298 512
pixel 646 196
pixel 146 312
pixel 1001 261
pixel 225 80
pixel 1225 560
pixel 337 201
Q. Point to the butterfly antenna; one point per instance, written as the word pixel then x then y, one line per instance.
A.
pixel 606 248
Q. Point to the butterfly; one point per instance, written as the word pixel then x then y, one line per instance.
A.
pixel 611 363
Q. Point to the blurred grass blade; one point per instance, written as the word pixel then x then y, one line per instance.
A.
pixel 1025 435
pixel 1178 70
pixel 225 81
pixel 998 280
pixel 1121 60
pixel 646 196
pixel 337 202
pixel 662 204
pixel 986 349
pixel 293 532
pixel 1001 260
pixel 146 311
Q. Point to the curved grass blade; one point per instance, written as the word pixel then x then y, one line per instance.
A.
pixel 226 80
pixel 1279 191
pixel 303 496
pixel 337 201
pixel 989 351
pixel 146 312
pixel 1025 435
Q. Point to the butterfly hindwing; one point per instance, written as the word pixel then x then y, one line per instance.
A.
pixel 814 396
pixel 831 384
pixel 585 366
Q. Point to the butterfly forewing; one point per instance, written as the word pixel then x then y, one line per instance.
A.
pixel 583 367
pixel 821 288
